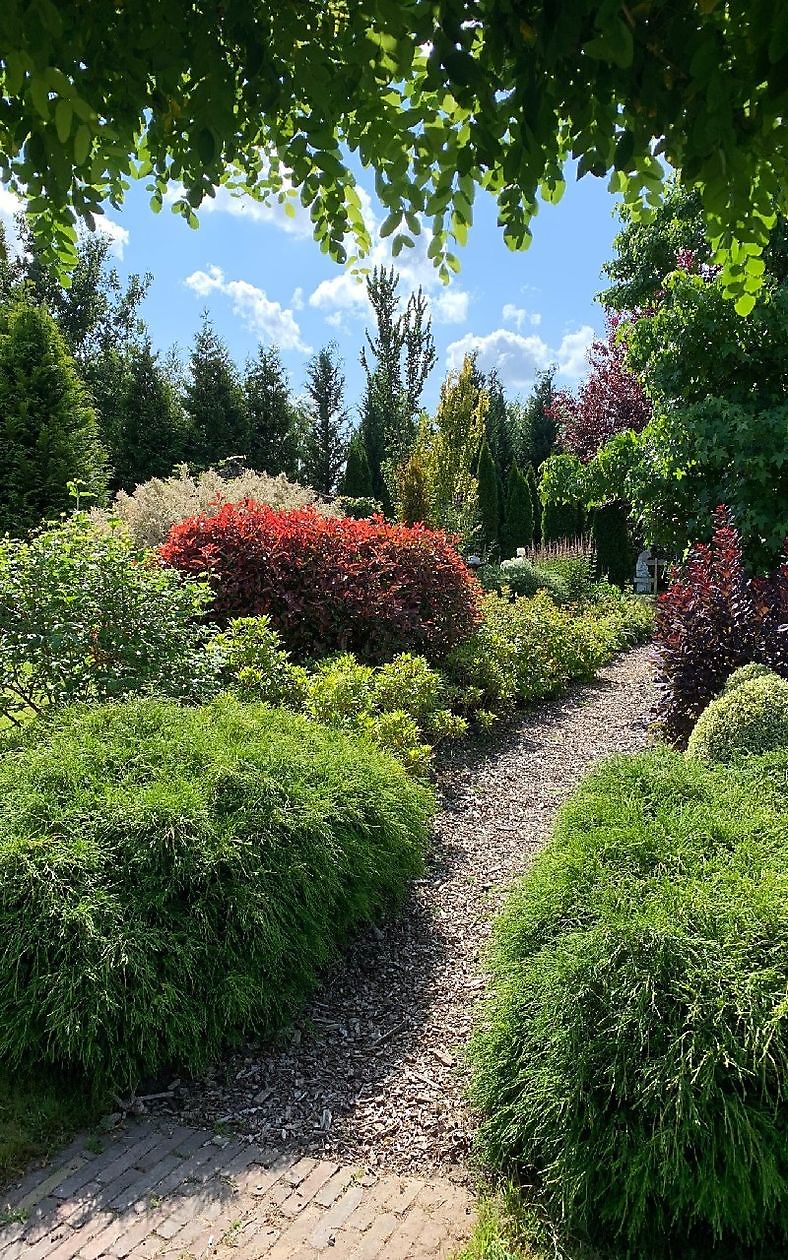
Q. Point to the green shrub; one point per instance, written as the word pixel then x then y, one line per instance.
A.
pixel 252 661
pixel 745 673
pixel 84 616
pixel 175 878
pixel 523 578
pixel 750 718
pixel 634 1048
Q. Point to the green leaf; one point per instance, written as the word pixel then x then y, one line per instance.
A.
pixel 745 304
pixel 39 95
pixel 613 44
pixel 63 118
pixel 81 144
pixel 390 223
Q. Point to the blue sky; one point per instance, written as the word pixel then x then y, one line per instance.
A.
pixel 262 277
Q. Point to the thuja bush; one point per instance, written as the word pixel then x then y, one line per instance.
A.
pixel 634 1047
pixel 152 509
pixel 331 584
pixel 174 878
pixel 85 616
pixel 712 619
pixel 751 717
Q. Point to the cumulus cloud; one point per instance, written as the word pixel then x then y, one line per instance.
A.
pixel 518 358
pixel 519 316
pixel 117 235
pixel 242 206
pixel 270 320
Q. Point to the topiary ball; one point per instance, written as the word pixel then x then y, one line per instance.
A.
pixel 752 718
pixel 746 673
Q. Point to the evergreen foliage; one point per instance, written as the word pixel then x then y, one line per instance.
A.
pixel 615 550
pixel 215 401
pixel 489 508
pixel 48 429
pixel 562 520
pixel 539 430
pixel 273 430
pixel 536 503
pixel 357 481
pixel 326 443
pixel 518 528
pixel 148 434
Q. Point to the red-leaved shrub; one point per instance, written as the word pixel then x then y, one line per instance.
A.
pixel 712 619
pixel 331 584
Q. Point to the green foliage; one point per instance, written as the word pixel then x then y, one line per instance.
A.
pixel 527 649
pixel 274 430
pixel 86 617
pixel 144 423
pixel 357 479
pixel 538 430
pixel 634 1047
pixel 646 250
pixel 562 520
pixel 745 674
pixel 40 1112
pixel 432 102
pixel 750 717
pixel 359 509
pixel 615 551
pixel 489 510
pixel 176 878
pixel 521 577
pixel 536 503
pixel 214 401
pixel 399 705
pixel 48 429
pixel 518 528
pixel 326 442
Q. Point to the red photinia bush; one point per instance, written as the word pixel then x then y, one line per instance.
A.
pixel 712 619
pixel 331 584
pixel 610 400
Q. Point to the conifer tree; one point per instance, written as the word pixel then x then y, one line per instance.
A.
pixel 562 520
pixel 326 445
pixel 357 482
pixel 149 433
pixel 539 429
pixel 615 551
pixel 519 523
pixel 48 428
pixel 489 512
pixel 536 503
pixel 273 428
pixel 215 400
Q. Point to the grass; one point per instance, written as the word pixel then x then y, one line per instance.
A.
pixel 39 1113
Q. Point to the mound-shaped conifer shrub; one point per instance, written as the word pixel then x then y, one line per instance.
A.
pixel 634 1049
pixel 331 584
pixel 173 879
pixel 745 674
pixel 749 718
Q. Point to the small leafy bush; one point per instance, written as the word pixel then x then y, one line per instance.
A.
pixel 85 616
pixel 331 584
pixel 524 578
pixel 573 561
pixel 151 510
pixel 174 878
pixel 749 718
pixel 633 1051
pixel 251 661
pixel 712 619
pixel 359 507
pixel 745 674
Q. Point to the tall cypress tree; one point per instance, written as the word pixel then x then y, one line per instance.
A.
pixel 615 550
pixel 326 445
pixel 489 512
pixel 215 400
pixel 518 528
pixel 273 436
pixel 357 482
pixel 536 503
pixel 149 434
pixel 48 429
pixel 562 520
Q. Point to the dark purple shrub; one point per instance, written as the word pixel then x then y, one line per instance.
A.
pixel 712 619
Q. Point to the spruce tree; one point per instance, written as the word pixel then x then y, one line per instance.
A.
pixel 215 401
pixel 536 503
pixel 489 514
pixel 273 435
pixel 562 521
pixel 326 445
pixel 149 432
pixel 519 524
pixel 48 428
pixel 615 551
pixel 498 425
pixel 357 482
pixel 539 429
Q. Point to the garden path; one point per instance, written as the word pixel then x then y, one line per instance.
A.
pixel 351 1136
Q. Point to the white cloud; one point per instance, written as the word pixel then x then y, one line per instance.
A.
pixel 117 236
pixel 270 320
pixel 519 316
pixel 450 306
pixel 517 359
pixel 242 206
pixel 10 205
pixel 572 353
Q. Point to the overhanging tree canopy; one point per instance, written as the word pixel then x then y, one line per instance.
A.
pixel 439 96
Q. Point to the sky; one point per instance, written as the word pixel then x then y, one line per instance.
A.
pixel 262 278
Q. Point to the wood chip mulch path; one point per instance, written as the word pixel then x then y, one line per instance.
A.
pixel 373 1075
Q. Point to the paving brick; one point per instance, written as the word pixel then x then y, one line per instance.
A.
pixel 295 1241
pixel 335 1186
pixel 401 1243
pixel 373 1242
pixel 43 1188
pixel 403 1194
pixel 336 1216
pixel 309 1187
pixel 371 1206
pixel 128 1158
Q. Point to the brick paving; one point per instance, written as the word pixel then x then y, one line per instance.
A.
pixel 158 1190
